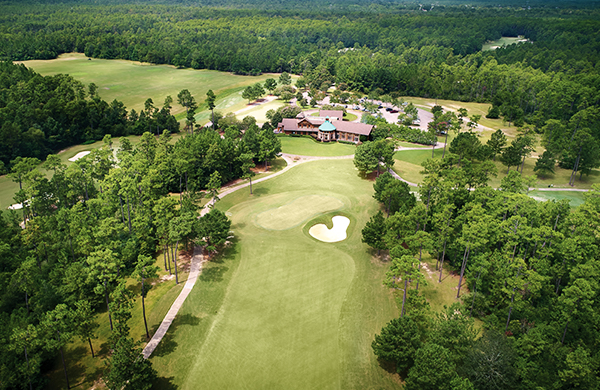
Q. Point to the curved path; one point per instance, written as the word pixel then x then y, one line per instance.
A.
pixel 292 160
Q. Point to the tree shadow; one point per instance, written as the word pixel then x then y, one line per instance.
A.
pixel 260 191
pixel 168 345
pixel 164 384
pixel 389 367
pixel 213 274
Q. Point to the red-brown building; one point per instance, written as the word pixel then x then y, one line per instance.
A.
pixel 328 126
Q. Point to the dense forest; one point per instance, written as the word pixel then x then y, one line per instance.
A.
pixel 92 226
pixel 531 268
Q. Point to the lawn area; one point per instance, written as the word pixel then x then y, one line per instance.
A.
pixel 575 198
pixel 350 117
pixel 281 309
pixel 308 147
pixel 407 164
pixel 134 82
pixel 411 145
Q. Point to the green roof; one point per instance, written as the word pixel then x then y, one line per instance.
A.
pixel 327 126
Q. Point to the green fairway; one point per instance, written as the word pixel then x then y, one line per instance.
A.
pixel 308 147
pixel 280 309
pixel 575 198
pixel 133 82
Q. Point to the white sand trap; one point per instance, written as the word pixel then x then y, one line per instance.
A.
pixel 79 155
pixel 16 206
pixel 335 234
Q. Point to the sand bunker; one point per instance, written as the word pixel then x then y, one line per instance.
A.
pixel 79 155
pixel 335 234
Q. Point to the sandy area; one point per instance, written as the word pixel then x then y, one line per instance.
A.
pixel 79 155
pixel 335 234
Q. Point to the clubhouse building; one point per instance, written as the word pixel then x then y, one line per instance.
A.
pixel 328 126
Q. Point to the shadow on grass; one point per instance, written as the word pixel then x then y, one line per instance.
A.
pixel 260 191
pixel 167 345
pixel 164 384
pixel 389 367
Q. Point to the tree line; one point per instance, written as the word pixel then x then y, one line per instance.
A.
pixel 89 227
pixel 528 270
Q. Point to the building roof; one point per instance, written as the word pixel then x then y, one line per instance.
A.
pixel 327 126
pixel 354 127
pixel 332 114
pixel 291 124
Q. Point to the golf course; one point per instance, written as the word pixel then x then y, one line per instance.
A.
pixel 281 309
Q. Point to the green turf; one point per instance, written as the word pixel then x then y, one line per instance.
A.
pixel 350 117
pixel 308 147
pixel 281 309
pixel 292 214
pixel 133 82
pixel 575 198
pixel 504 41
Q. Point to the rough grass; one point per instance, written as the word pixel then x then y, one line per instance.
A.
pixel 308 147
pixel 280 309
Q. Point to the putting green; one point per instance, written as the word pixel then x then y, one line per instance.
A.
pixel 299 210
pixel 282 310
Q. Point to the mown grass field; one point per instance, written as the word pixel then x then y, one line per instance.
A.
pixel 307 147
pixel 134 82
pixel 281 309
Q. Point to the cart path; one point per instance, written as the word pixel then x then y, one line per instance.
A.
pixel 195 269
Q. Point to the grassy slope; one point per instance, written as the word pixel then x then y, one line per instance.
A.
pixel 280 309
pixel 308 147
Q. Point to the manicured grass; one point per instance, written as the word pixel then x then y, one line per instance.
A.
pixel 411 145
pixel 575 198
pixel 308 147
pixel 280 309
pixel 350 117
pixel 133 82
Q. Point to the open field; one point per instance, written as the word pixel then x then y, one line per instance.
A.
pixel 307 147
pixel 280 309
pixel 504 41
pixel 134 82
